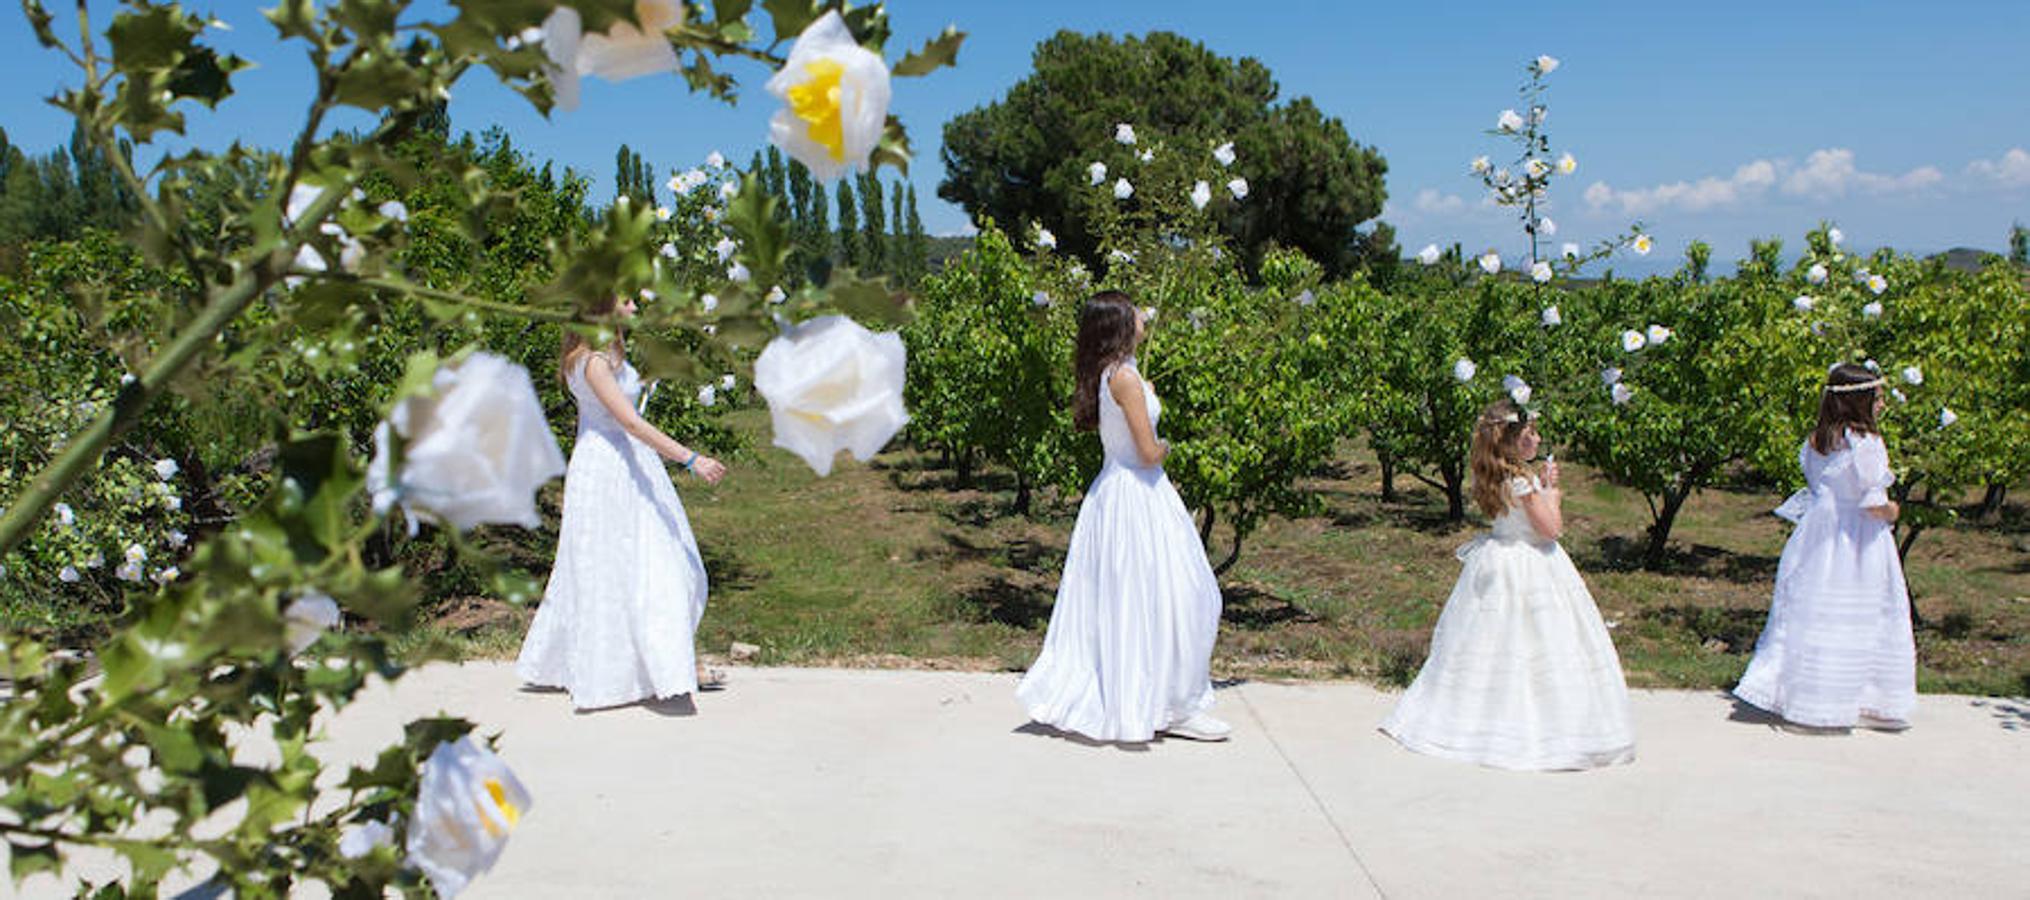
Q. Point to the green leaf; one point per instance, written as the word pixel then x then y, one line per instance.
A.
pixel 790 17
pixel 935 54
pixel 24 860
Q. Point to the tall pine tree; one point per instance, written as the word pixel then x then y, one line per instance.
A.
pixel 849 228
pixel 873 215
pixel 917 242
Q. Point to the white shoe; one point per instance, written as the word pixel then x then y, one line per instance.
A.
pixel 1200 727
pixel 1877 723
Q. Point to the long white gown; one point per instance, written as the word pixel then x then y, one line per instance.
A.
pixel 1522 673
pixel 1129 648
pixel 1838 643
pixel 628 587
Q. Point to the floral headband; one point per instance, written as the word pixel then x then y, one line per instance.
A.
pixel 1868 385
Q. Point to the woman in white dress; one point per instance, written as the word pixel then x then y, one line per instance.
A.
pixel 628 586
pixel 1837 650
pixel 1128 652
pixel 1522 673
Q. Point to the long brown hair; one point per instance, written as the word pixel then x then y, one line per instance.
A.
pixel 576 345
pixel 1841 411
pixel 1106 335
pixel 1494 458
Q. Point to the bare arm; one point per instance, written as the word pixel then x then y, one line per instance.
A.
pixel 1545 506
pixel 599 375
pixel 1126 385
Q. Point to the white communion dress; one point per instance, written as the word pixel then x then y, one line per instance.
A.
pixel 1522 673
pixel 1838 643
pixel 628 587
pixel 1129 649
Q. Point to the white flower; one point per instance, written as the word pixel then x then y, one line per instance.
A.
pixel 1429 255
pixel 1621 393
pixel 1224 153
pixel 1124 133
pixel 64 516
pixel 1913 375
pixel 69 575
pixel 1540 272
pixel 1480 164
pixel 710 302
pixel 1816 274
pixel 1836 236
pixel 394 209
pixel 1238 187
pixel 129 571
pixel 172 503
pixel 1306 298
pixel 467 805
pixel 1546 65
pixel 1045 239
pixel 1642 244
pixel 663 213
pixel 1148 314
pixel 473 450
pixel 1877 284
pixel 1122 189
pixel 137 553
pixel 1201 194
pixel 1537 167
pixel 1550 317
pixel 708 396
pixel 165 576
pixel 776 295
pixel 1872 366
pixel 725 248
pixel 1898 394
pixel 835 95
pixel 1546 227
pixel 1146 155
pixel 1658 334
pixel 1509 121
pixel 1632 340
pixel 306 618
pixel 1040 300
pixel 1463 369
pixel 668 250
pixel 177 539
pixel 738 274
pixel 1567 165
pixel 1120 256
pixel 729 190
pixel 1610 376
pixel 679 184
pixel 360 840
pixel 1946 417
pixel 1872 309
pixel 1097 172
pixel 1802 303
pixel 624 51
pixel 715 160
pixel 832 385
pixel 1570 250
pixel 1520 393
pixel 1490 262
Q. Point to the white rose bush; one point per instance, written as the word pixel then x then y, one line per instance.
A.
pixel 245 579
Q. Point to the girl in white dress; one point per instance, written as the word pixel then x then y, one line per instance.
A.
pixel 628 586
pixel 1129 650
pixel 1522 673
pixel 1837 650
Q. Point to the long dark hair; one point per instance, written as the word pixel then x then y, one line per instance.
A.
pixel 1851 409
pixel 1106 335
pixel 576 346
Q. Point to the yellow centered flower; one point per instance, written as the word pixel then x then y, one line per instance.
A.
pixel 512 813
pixel 816 102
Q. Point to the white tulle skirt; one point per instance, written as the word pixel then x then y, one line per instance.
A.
pixel 628 587
pixel 1522 673
pixel 1838 643
pixel 1129 648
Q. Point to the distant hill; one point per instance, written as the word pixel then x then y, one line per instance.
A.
pixel 1966 259
pixel 944 249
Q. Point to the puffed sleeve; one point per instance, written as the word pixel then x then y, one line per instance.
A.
pixel 1871 465
pixel 1520 486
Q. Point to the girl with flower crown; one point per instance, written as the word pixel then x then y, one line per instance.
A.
pixel 1129 650
pixel 628 587
pixel 1837 650
pixel 1522 673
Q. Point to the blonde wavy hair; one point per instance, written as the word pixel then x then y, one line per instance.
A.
pixel 1494 458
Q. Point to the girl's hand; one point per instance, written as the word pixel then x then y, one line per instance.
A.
pixel 1886 512
pixel 708 468
pixel 1550 473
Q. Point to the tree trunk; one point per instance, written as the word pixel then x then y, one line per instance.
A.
pixel 1021 494
pixel 1660 528
pixel 1205 528
pixel 1232 557
pixel 1388 461
pixel 1991 502
pixel 1907 538
pixel 1455 493
pixel 963 476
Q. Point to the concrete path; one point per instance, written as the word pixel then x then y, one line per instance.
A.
pixel 830 783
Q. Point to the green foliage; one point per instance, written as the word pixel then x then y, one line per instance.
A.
pixel 1024 158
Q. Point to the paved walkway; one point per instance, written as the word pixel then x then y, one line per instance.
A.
pixel 830 783
pixel 826 783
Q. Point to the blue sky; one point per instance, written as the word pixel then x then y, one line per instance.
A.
pixel 1908 124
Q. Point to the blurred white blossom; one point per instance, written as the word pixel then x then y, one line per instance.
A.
pixel 1490 262
pixel 835 96
pixel 1632 340
pixel 1540 272
pixel 1621 393
pixel 1816 274
pixel 1238 187
pixel 1509 121
pixel 1550 317
pixel 1097 172
pixel 1946 417
pixel 1224 153
pixel 1122 189
pixel 1429 255
pixel 1872 309
pixel 1464 370
pixel 1913 375
pixel 1642 244
pixel 1124 134
pixel 1201 194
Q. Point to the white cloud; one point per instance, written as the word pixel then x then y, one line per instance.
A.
pixel 2012 170
pixel 1429 200
pixel 1825 174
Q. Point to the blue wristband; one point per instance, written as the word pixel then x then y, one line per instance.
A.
pixel 691 462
